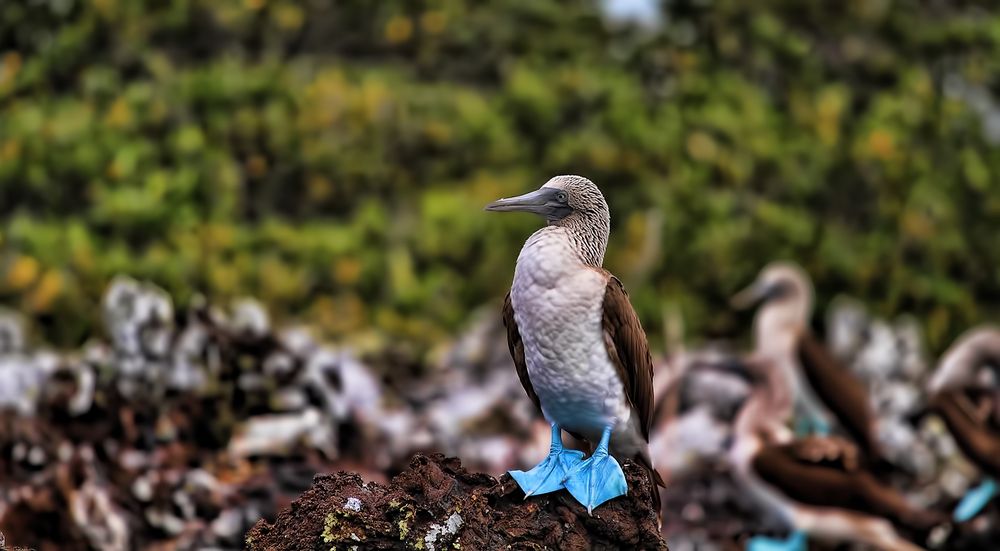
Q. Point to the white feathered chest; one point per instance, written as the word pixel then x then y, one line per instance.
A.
pixel 558 307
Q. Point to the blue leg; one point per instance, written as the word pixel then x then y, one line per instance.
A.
pixel 597 479
pixel 796 541
pixel 548 475
pixel 974 500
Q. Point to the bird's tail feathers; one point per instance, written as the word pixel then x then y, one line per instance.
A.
pixel 655 483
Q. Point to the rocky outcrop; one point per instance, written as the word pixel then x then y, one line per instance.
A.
pixel 436 504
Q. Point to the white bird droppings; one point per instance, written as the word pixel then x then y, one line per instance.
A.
pixel 353 504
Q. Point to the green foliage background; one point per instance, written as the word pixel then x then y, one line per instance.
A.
pixel 332 158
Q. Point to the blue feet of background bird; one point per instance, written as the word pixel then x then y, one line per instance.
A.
pixel 598 478
pixel 796 541
pixel 809 425
pixel 974 500
pixel 548 475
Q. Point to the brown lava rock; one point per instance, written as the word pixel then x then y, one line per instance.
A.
pixel 436 505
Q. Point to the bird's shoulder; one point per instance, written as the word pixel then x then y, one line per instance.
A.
pixel 619 314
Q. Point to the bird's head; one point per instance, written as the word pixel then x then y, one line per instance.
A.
pixel 785 296
pixel 572 202
pixel 959 367
pixel 558 201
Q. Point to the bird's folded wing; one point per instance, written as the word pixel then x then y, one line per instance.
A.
pixel 822 471
pixel 629 351
pixel 516 347
pixel 973 435
pixel 840 391
pixel 816 470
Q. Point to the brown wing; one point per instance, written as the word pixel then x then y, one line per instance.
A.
pixel 843 394
pixel 803 479
pixel 826 451
pixel 823 471
pixel 973 436
pixel 516 347
pixel 629 351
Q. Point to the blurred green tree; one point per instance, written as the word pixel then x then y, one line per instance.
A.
pixel 332 158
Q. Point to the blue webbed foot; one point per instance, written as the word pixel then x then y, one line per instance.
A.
pixel 796 541
pixel 548 475
pixel 807 425
pixel 974 500
pixel 598 478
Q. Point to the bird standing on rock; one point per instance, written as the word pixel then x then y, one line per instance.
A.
pixel 577 344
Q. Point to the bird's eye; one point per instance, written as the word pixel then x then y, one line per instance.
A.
pixel 562 197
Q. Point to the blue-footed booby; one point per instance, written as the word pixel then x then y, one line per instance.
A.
pixel 577 344
pixel 817 378
pixel 960 374
pixel 816 484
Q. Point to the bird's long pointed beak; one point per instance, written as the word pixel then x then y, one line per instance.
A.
pixel 539 201
pixel 749 297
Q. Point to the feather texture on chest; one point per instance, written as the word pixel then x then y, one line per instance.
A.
pixel 558 306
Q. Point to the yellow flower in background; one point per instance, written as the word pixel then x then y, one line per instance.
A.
pixel 42 297
pixel 881 144
pixel 22 273
pixel 347 270
pixel 433 22
pixel 339 314
pixel 9 68
pixel 399 29
pixel 10 150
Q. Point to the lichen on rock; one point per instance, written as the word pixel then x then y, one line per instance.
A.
pixel 438 533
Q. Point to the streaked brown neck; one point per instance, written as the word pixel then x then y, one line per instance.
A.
pixel 589 231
